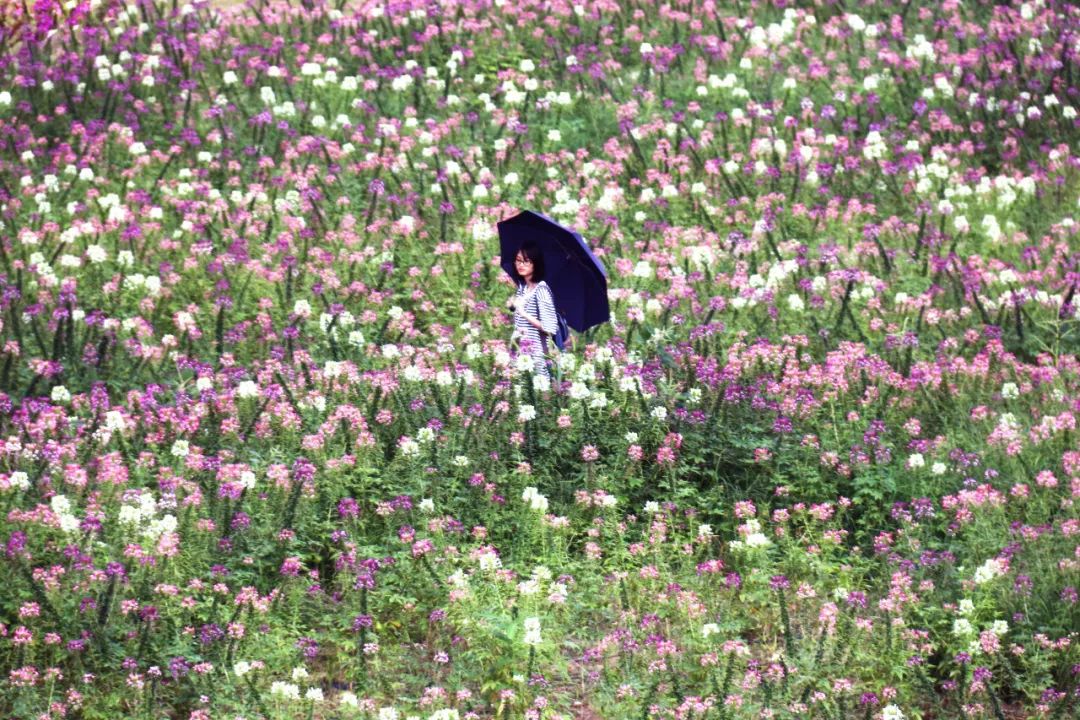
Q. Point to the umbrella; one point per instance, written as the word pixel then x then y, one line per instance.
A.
pixel 576 277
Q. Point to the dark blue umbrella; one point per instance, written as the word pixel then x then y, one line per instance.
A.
pixel 576 277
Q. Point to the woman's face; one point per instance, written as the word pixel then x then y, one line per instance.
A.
pixel 524 267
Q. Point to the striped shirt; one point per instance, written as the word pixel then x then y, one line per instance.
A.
pixel 540 305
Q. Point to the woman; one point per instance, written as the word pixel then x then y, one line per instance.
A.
pixel 535 321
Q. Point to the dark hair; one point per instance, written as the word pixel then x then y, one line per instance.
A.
pixel 532 252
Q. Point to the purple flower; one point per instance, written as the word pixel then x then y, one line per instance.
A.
pixel 348 508
pixel 308 646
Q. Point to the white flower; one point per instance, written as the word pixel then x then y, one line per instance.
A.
pixel 285 689
pixel 299 673
pixel 180 448
pixel 60 394
pixel 532 631
pixel 488 561
pixel 891 712
pixel 526 413
pixel 709 629
pixel 247 480
pixel 247 389
pixel 314 694
pixel 60 504
pixel 938 468
pixel 242 668
pixel 1010 391
pixel 915 461
pixel 427 506
pixel 19 480
pixel 652 507
pixel 989 570
pixel 536 501
pixel 69 523
pixel 97 254
pixel 388 713
pixel 579 391
pixel 966 607
pixel 659 412
pixel 756 540
pixel 114 421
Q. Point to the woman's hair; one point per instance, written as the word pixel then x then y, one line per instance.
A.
pixel 531 251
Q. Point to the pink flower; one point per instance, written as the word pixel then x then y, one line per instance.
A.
pixel 23 636
pixel 291 566
pixel 589 453
pixel 1046 479
pixel 745 509
pixel 422 547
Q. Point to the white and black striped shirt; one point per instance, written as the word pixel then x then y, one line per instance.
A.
pixel 540 305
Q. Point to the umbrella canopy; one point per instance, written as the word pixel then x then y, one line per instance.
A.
pixel 577 278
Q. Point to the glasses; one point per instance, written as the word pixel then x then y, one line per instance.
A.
pixel 522 261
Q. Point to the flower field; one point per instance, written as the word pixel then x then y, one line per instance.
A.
pixel 266 451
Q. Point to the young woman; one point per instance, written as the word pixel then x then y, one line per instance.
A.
pixel 535 321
